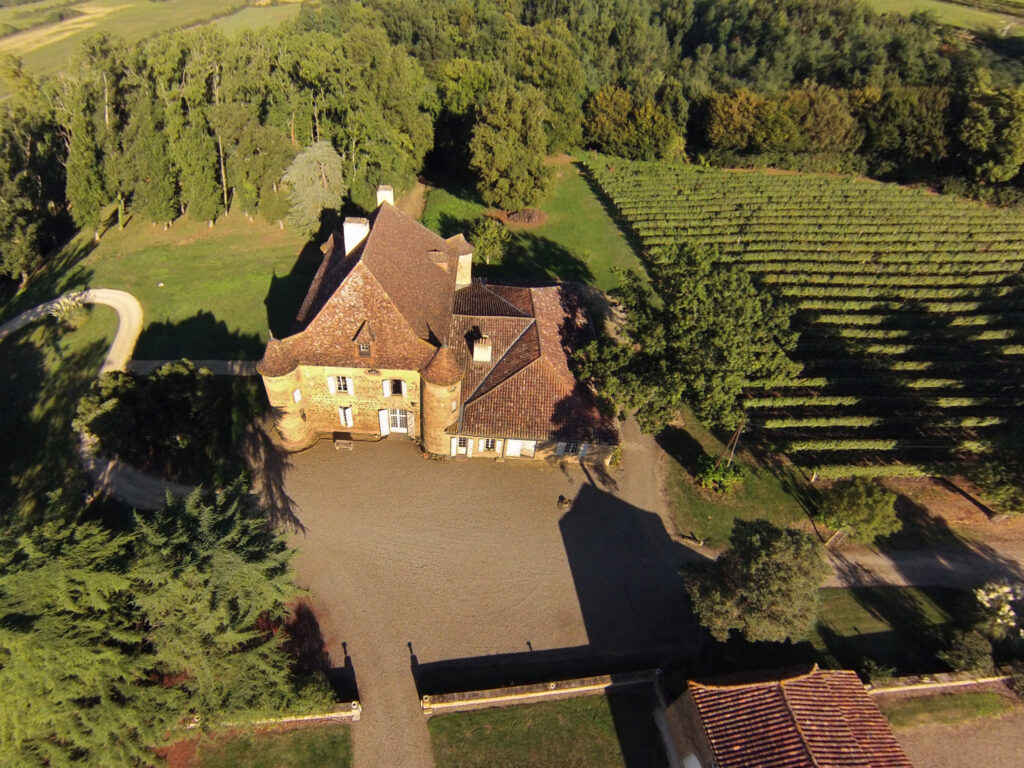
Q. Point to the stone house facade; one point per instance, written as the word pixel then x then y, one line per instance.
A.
pixel 396 339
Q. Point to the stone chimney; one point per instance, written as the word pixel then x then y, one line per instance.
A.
pixel 385 194
pixel 354 231
pixel 482 349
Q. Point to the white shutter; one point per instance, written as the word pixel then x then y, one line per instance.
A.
pixel 455 445
pixel 297 395
pixel 349 385
pixel 583 450
pixel 332 385
pixel 385 425
pixel 405 388
pixel 483 444
pixel 345 414
pixel 386 386
pixel 560 449
pixel 497 446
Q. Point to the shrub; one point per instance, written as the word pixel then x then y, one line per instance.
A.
pixel 969 652
pixel 862 506
pixel 70 311
pixel 719 476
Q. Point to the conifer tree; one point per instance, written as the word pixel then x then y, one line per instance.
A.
pixel 316 184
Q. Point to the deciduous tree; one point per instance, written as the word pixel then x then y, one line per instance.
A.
pixel 865 508
pixel 765 585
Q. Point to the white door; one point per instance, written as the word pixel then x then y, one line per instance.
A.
pixel 461 445
pixel 514 448
pixel 399 420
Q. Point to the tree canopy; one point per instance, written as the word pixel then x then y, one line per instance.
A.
pixel 865 508
pixel 703 334
pixel 765 585
pixel 316 184
pixel 109 640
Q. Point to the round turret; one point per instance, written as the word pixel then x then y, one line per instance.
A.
pixel 442 396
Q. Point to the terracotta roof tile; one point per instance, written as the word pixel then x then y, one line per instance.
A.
pixel 821 719
pixel 443 370
pixel 478 299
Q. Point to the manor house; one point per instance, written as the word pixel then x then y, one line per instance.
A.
pixel 395 338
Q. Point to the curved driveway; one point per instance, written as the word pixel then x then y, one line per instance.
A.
pixel 129 322
pixel 111 476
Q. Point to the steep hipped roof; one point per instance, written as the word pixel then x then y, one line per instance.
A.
pixel 821 719
pixel 528 390
pixel 390 292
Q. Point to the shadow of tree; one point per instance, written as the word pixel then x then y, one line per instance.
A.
pixel 201 336
pixel 286 293
pixel 42 376
pixel 62 273
pixel 269 463
pixel 306 645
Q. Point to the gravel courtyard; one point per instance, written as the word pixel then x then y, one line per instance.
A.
pixel 453 560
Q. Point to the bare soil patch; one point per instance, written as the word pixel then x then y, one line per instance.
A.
pixel 525 218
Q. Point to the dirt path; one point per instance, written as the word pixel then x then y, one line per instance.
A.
pixel 994 742
pixel 413 201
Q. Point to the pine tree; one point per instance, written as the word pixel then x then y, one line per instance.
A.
pixel 85 188
pixel 316 184
pixel 196 155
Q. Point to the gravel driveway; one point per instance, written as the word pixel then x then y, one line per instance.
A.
pixel 472 558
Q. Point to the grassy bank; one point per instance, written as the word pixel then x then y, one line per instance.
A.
pixel 596 731
pixel 578 241
pixel 945 709
pixel 329 745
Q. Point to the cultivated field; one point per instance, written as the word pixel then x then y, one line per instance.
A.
pixel 47 48
pixel 1001 17
pixel 910 306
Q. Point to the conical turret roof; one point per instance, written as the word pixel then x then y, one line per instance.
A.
pixel 442 369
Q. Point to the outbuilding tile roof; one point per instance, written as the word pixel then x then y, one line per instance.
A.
pixel 821 719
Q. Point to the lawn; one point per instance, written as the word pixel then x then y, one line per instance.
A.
pixel 47 49
pixel 898 627
pixel 595 731
pixel 579 241
pixel 220 287
pixel 320 747
pixel 945 709
pixel 258 17
pixel 708 516
pixel 45 370
pixel 956 15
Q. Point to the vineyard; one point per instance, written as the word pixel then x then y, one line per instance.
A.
pixel 909 306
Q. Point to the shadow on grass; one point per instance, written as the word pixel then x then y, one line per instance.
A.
pixel 287 292
pixel 41 477
pixel 62 273
pixel 200 337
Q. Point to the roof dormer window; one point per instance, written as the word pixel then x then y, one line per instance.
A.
pixel 364 350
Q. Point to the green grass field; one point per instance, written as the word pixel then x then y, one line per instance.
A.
pixel 319 747
pixel 579 241
pixel 975 19
pixel 258 17
pixel 45 369
pixel 898 627
pixel 708 516
pixel 594 731
pixel 220 289
pixel 48 49
pixel 945 709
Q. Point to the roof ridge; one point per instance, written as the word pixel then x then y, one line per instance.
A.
pixel 529 325
pixel 792 715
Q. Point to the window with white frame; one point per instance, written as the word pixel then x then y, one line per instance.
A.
pixel 571 449
pixel 345 415
pixel 394 387
pixel 463 443
pixel 342 385
pixel 364 350
pixel 297 395
pixel 490 444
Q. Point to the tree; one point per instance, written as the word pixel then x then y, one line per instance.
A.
pixel 316 183
pixel 732 119
pixel 992 129
pixel 865 508
pixel 621 125
pixel 508 148
pixel 196 155
pixel 489 238
pixel 85 192
pixel 765 585
pixel 707 332
pixel 969 652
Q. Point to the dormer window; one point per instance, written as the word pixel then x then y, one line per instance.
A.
pixel 364 350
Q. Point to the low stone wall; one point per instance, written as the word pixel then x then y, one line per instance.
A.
pixel 349 711
pixel 933 683
pixel 465 701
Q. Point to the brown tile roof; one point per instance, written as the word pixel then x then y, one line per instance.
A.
pixel 477 299
pixel 443 370
pixel 528 390
pixel 821 719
